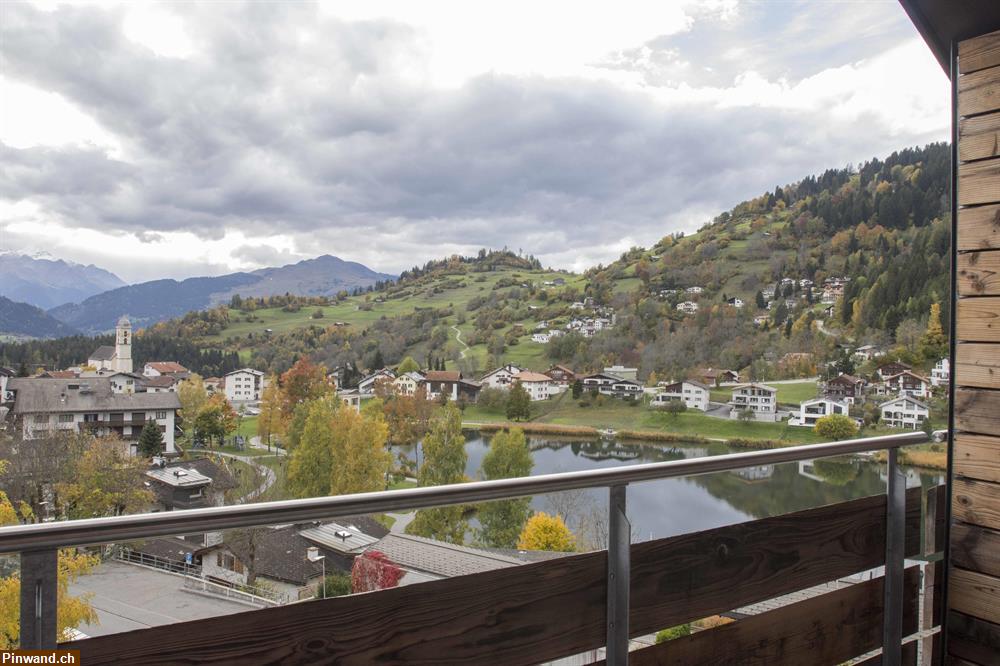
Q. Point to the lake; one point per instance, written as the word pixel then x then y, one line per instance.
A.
pixel 676 506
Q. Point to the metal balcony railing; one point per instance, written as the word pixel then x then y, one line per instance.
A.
pixel 38 544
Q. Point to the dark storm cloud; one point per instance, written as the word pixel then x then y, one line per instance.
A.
pixel 326 139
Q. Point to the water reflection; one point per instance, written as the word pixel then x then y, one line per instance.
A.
pixel 676 506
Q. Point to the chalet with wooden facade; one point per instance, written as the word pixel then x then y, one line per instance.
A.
pixel 845 388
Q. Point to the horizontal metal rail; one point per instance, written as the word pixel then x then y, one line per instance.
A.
pixel 44 536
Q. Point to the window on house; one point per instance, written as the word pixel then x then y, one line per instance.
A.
pixel 65 418
pixel 161 415
pixel 41 418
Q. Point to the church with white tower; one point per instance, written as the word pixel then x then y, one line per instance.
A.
pixel 119 357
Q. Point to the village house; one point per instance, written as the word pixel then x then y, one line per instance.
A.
pixel 693 394
pixel 117 358
pixel 868 352
pixel 908 384
pixel 501 378
pixel 214 384
pixel 279 556
pixel 165 368
pixel 368 383
pixel 351 398
pixel 768 293
pixel 694 290
pixel 886 370
pixel 941 373
pixel 188 484
pixel 341 543
pixel 422 560
pixel 244 385
pixel 612 385
pixel 811 411
pixel 161 384
pixel 716 377
pixel 407 383
pixel 736 302
pixel 561 375
pixel 904 412
pixel 42 406
pixel 451 385
pixel 632 374
pixel 540 338
pixel 760 320
pixel 760 399
pixel 538 386
pixel 687 307
pixel 845 388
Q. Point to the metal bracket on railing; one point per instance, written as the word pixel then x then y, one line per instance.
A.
pixel 619 577
pixel 895 535
pixel 39 579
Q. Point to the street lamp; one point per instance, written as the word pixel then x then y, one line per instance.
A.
pixel 312 554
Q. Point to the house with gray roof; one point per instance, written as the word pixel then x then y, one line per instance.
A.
pixel 424 560
pixel 39 407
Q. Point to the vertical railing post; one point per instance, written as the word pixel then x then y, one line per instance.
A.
pixel 619 577
pixel 39 578
pixel 895 524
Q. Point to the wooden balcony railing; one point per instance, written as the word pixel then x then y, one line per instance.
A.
pixel 575 605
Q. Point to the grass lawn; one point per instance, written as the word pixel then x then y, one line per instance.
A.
pixel 618 415
pixel 248 427
pixel 788 394
pixel 400 483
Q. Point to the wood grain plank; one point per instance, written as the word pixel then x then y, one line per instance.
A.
pixel 979 273
pixel 974 594
pixel 975 548
pixel 979 137
pixel 827 629
pixel 976 457
pixel 978 319
pixel 977 365
pixel 535 612
pixel 977 411
pixel 976 502
pixel 979 228
pixel 979 52
pixel 908 657
pixel 973 639
pixel 979 92
pixel 979 182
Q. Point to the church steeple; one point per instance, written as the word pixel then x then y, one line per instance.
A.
pixel 123 345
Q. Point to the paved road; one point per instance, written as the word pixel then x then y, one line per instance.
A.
pixel 267 472
pixel 128 597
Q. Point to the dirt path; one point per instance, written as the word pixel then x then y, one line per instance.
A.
pixel 458 339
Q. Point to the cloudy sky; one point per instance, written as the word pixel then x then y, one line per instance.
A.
pixel 183 139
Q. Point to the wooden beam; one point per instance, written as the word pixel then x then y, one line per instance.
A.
pixel 536 612
pixel 973 639
pixel 977 457
pixel 979 182
pixel 980 137
pixel 828 629
pixel 977 410
pixel 978 319
pixel 979 53
pixel 976 548
pixel 975 594
pixel 976 502
pixel 979 92
pixel 979 228
pixel 979 273
pixel 977 365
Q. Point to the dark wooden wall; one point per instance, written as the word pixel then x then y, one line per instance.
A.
pixel 974 579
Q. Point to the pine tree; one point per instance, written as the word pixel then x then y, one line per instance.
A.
pixel 150 440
